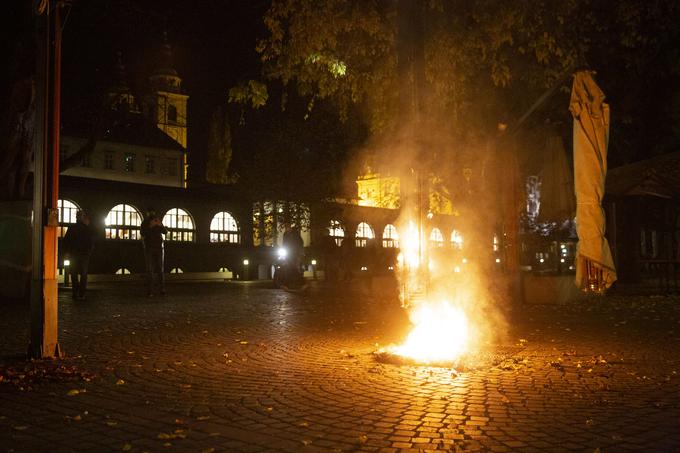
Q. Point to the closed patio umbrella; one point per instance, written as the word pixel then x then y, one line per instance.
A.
pixel 594 265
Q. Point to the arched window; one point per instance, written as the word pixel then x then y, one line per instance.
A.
pixel 123 271
pixel 390 237
pixel 176 270
pixel 337 232
pixel 67 211
pixel 436 237
pixel 223 228
pixel 363 234
pixel 457 240
pixel 180 225
pixel 122 222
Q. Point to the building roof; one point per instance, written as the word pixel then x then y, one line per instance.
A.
pixel 657 177
pixel 125 127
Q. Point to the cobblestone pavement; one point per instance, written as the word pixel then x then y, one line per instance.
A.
pixel 238 367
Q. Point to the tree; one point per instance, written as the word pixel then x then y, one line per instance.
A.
pixel 483 62
pixel 218 169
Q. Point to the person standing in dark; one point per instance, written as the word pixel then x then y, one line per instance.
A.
pixel 78 244
pixel 331 259
pixel 152 231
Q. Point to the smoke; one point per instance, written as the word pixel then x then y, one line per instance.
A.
pixel 449 182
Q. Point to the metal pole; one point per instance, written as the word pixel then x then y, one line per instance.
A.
pixel 44 333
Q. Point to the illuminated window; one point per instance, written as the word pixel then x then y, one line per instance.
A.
pixel 176 270
pixel 337 232
pixel 457 240
pixel 363 234
pixel 129 162
pixel 495 241
pixel 123 271
pixel 223 228
pixel 180 225
pixel 436 237
pixel 390 237
pixel 122 222
pixel 67 215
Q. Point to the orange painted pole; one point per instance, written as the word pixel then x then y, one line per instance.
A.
pixel 44 286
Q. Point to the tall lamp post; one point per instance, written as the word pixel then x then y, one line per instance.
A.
pixel 44 333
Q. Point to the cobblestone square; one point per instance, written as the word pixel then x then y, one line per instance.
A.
pixel 241 367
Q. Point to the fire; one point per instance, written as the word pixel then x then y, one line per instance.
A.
pixel 410 256
pixel 441 329
pixel 439 334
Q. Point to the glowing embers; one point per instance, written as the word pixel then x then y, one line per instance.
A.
pixel 440 334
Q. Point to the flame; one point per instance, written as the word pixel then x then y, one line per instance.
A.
pixel 441 330
pixel 440 333
pixel 410 253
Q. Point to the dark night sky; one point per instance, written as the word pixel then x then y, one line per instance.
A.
pixel 213 42
pixel 214 48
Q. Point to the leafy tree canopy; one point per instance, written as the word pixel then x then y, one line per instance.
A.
pixel 483 62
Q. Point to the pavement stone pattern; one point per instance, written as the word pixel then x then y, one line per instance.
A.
pixel 240 367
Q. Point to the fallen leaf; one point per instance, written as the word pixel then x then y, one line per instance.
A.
pixel 20 428
pixel 203 417
pixel 74 392
pixel 111 423
pixel 120 382
pixel 306 442
pixel 127 447
pixel 363 439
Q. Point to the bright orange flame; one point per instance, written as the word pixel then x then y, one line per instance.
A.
pixel 440 333
pixel 410 253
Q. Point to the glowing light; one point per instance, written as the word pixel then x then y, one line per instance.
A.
pixel 456 269
pixel 464 260
pixel 541 260
pixel 561 260
pixel 313 262
pixel 390 268
pixel 409 255
pixel 440 333
pixel 282 253
pixel 67 262
pixel 456 239
pixel 246 262
pixel 364 268
pixel 498 260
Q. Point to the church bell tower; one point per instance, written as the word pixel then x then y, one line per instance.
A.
pixel 165 104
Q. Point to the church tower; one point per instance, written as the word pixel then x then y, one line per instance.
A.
pixel 119 96
pixel 165 104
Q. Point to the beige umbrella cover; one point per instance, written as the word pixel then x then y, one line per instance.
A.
pixel 594 265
